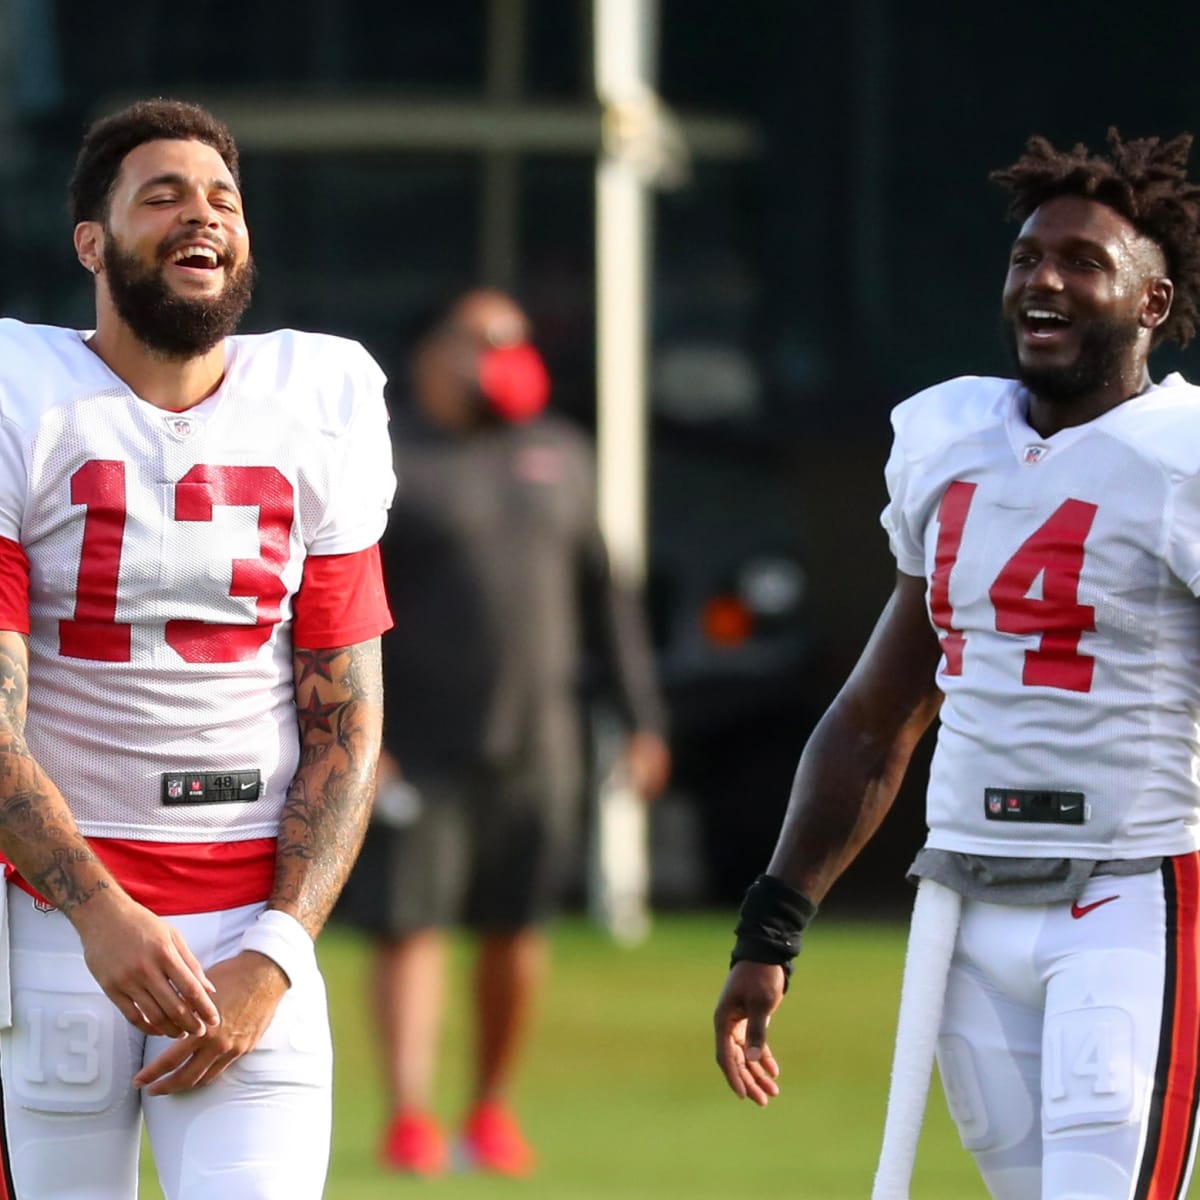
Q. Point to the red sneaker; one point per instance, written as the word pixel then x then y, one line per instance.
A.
pixel 415 1143
pixel 492 1141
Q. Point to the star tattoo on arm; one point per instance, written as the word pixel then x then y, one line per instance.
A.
pixel 315 715
pixel 339 716
pixel 315 663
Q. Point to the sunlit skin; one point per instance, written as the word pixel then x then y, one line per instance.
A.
pixel 1083 260
pixel 168 194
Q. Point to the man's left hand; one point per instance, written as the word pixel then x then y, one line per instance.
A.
pixel 249 988
pixel 752 993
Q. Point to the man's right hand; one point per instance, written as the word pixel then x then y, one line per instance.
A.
pixel 145 967
pixel 752 992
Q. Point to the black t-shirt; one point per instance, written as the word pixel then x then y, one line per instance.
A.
pixel 498 579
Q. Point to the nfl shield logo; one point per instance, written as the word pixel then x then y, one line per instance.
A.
pixel 174 788
pixel 993 803
pixel 180 426
pixel 1034 453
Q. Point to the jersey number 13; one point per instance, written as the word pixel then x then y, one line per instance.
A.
pixel 99 486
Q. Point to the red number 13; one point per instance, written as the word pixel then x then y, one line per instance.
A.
pixel 1055 551
pixel 100 487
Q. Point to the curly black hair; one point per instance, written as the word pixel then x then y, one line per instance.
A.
pixel 1145 180
pixel 110 139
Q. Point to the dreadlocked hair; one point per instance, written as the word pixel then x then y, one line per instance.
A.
pixel 1145 180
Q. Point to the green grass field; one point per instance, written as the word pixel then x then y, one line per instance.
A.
pixel 620 1093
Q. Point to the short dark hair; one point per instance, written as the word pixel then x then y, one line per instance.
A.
pixel 1145 180
pixel 111 138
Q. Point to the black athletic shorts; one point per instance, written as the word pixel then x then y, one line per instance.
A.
pixel 488 849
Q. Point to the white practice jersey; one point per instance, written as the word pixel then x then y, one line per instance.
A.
pixel 166 550
pixel 1062 577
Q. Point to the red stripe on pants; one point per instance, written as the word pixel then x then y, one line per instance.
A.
pixel 1169 1140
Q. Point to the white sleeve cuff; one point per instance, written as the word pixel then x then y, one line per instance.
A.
pixel 283 940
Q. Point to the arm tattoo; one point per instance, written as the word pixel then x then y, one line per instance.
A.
pixel 59 884
pixel 315 716
pixel 314 662
pixel 340 713
pixel 14 689
pixel 36 828
pixel 365 675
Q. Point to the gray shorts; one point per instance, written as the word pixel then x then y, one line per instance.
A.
pixel 489 849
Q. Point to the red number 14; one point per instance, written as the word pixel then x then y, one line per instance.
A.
pixel 1054 551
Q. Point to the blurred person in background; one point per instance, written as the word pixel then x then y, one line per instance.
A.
pixel 499 580
pixel 1047 537
pixel 190 692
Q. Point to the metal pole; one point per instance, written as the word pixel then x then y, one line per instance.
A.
pixel 619 880
pixel 624 46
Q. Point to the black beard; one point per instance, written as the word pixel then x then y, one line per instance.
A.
pixel 169 324
pixel 1102 357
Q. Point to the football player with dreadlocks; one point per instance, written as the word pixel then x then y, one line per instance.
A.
pixel 1046 531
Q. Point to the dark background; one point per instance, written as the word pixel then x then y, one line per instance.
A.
pixel 855 257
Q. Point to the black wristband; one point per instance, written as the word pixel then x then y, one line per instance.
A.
pixel 770 922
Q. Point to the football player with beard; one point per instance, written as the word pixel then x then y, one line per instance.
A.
pixel 1046 531
pixel 190 697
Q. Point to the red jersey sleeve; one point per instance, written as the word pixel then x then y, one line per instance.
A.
pixel 14 587
pixel 341 600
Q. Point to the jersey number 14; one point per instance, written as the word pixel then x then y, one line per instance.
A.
pixel 1054 551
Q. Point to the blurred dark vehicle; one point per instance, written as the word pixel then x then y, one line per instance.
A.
pixel 726 592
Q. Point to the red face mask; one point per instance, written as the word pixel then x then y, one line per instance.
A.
pixel 514 381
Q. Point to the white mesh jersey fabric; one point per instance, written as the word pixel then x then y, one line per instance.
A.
pixel 1062 575
pixel 166 550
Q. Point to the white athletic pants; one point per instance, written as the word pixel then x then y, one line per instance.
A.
pixel 1070 1042
pixel 72 1123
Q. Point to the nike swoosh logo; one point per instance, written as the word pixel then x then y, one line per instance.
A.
pixel 1082 910
pixel 247 786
